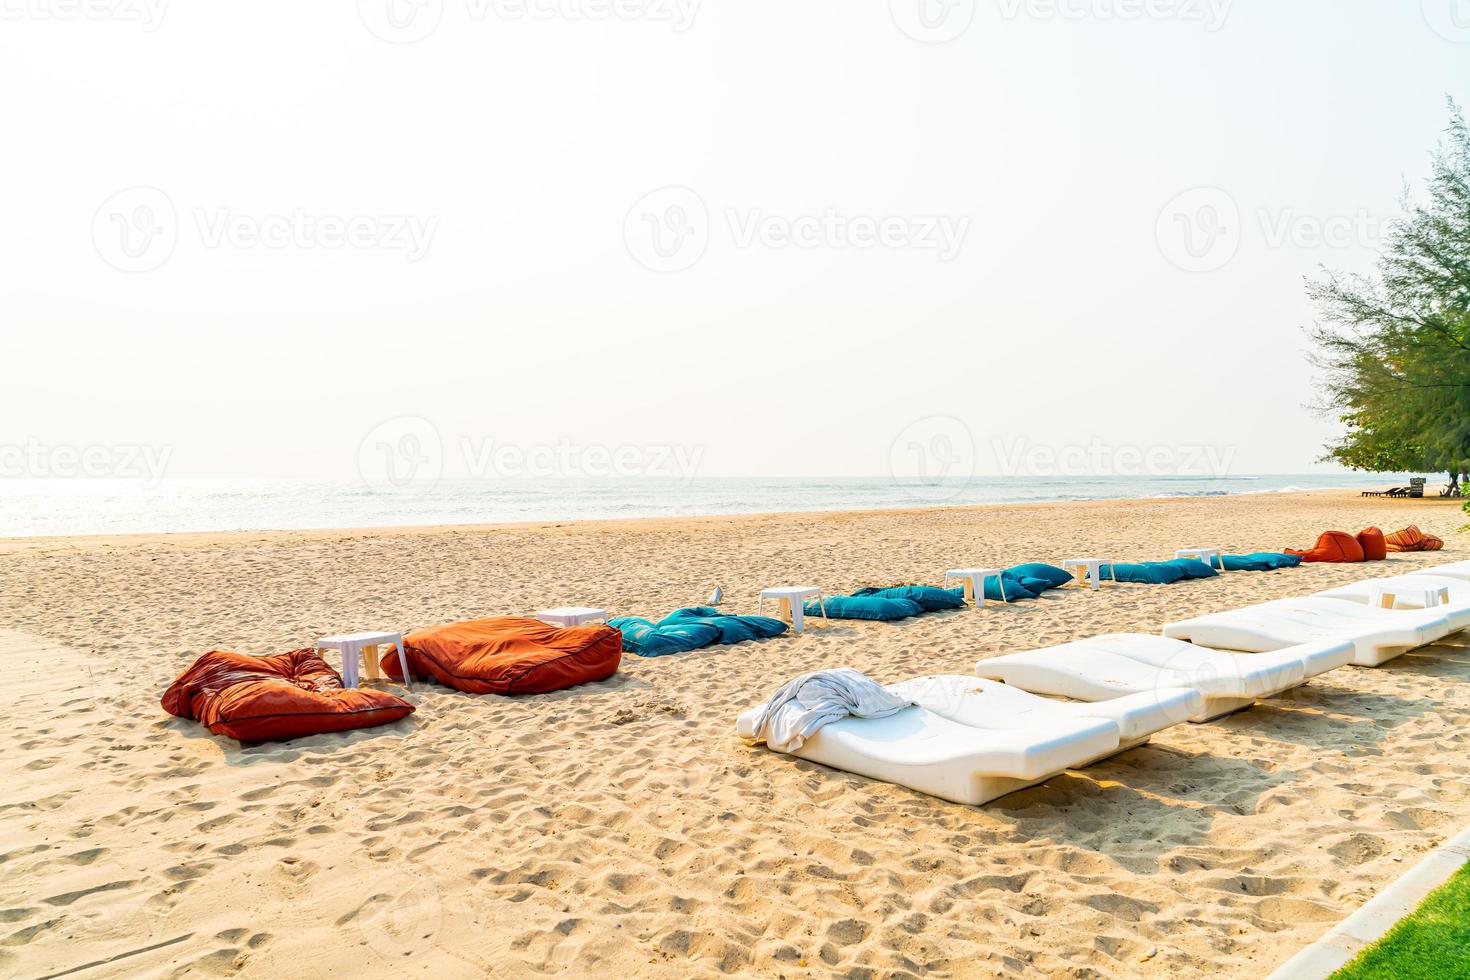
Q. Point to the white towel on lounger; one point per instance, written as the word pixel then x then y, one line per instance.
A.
pixel 803 705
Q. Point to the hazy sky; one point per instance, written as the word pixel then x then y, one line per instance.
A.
pixel 799 238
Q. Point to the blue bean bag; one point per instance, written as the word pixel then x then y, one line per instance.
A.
pixel 1038 577
pixel 691 629
pixel 1015 588
pixel 733 629
pixel 928 597
pixel 869 607
pixel 1261 561
pixel 1193 568
pixel 1143 573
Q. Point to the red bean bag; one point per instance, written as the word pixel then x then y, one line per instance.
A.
pixel 265 699
pixel 1375 548
pixel 509 655
pixel 1332 546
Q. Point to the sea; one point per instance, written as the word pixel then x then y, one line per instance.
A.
pixel 47 507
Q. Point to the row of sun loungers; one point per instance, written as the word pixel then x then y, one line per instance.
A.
pixel 973 739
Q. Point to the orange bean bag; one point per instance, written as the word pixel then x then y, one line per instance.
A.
pixel 1332 546
pixel 1375 548
pixel 1413 539
pixel 510 655
pixel 266 699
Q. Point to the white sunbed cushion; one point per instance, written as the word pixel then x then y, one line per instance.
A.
pixel 1457 610
pixel 1261 674
pixel 1427 625
pixel 1089 674
pixel 924 751
pixel 1273 626
pixel 1457 569
pixel 988 704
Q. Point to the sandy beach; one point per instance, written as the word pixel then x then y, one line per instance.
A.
pixel 622 828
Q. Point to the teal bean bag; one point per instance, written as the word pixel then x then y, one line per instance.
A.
pixel 928 597
pixel 1038 577
pixel 1261 561
pixel 643 638
pixel 1143 573
pixel 691 629
pixel 1015 588
pixel 1192 568
pixel 870 607
pixel 732 629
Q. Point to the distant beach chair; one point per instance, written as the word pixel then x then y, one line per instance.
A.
pixel 1126 664
pixel 1017 740
pixel 1377 635
pixel 1390 492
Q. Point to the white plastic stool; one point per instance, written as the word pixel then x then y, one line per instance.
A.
pixel 1203 554
pixel 1093 568
pixel 568 616
pixel 365 646
pixel 1386 596
pixel 789 599
pixel 974 579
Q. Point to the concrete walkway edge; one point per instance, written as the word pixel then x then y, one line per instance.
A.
pixel 1380 914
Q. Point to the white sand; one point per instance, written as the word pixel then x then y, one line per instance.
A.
pixel 622 828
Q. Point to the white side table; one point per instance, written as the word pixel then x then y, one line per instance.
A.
pixel 1204 555
pixel 789 602
pixel 974 579
pixel 1386 596
pixel 568 616
pixel 357 648
pixel 1092 568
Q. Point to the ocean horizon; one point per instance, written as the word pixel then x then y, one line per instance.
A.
pixel 46 508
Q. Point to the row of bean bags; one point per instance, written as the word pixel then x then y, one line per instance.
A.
pixel 1413 539
pixel 509 655
pixel 692 629
pixel 1339 546
pixel 261 699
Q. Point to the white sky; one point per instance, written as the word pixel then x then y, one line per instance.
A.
pixel 1060 134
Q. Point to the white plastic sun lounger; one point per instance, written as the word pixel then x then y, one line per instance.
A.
pixel 987 704
pixel 1457 569
pixel 1272 626
pixel 927 752
pixel 1124 664
pixel 1404 588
